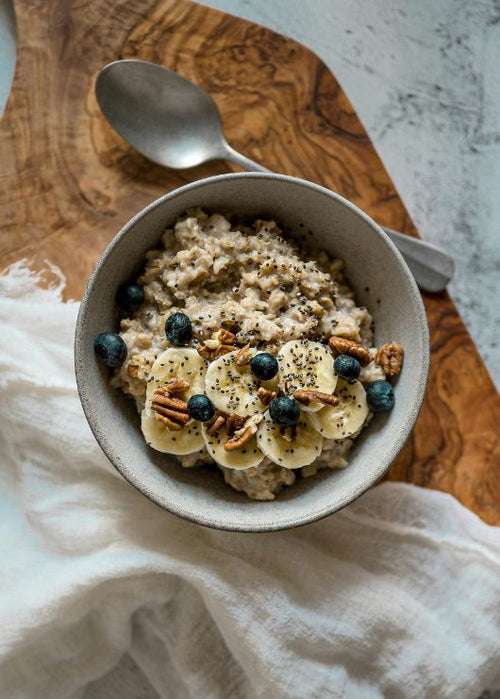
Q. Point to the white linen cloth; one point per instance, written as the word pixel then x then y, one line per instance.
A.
pixel 397 595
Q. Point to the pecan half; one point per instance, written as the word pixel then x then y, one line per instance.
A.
pixel 176 385
pixel 341 345
pixel 265 395
pixel 163 397
pixel 305 397
pixel 206 352
pixel 390 357
pixel 174 415
pixel 170 410
pixel 238 441
pixel 221 343
pixel 174 426
pixel 216 424
pixel 225 337
pixel 244 356
pixel 234 422
pixel 244 434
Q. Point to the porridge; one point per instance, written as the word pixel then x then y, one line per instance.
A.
pixel 241 349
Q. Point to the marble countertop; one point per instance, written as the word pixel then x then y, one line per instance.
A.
pixel 424 79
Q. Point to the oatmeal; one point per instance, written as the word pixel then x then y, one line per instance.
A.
pixel 246 351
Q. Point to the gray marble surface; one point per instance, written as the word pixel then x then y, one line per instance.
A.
pixel 424 78
pixel 8 42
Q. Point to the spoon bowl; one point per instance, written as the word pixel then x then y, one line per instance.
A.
pixel 147 105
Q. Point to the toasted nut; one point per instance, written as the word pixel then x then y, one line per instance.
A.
pixel 163 398
pixel 225 337
pixel 216 425
pixel 244 356
pixel 169 409
pixel 244 433
pixel 305 397
pixel 341 345
pixel 390 357
pixel 221 343
pixel 239 440
pixel 174 415
pixel 252 423
pixel 213 353
pixel 234 422
pixel 265 395
pixel 174 426
pixel 176 385
pixel 206 352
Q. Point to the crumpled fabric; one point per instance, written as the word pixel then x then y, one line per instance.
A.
pixel 397 595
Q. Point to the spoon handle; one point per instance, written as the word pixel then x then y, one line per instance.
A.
pixel 432 267
pixel 242 160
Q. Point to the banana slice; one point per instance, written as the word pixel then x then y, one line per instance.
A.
pixel 299 451
pixel 233 389
pixel 307 365
pixel 186 441
pixel 246 457
pixel 184 364
pixel 344 419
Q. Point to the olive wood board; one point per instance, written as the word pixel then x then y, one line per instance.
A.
pixel 68 182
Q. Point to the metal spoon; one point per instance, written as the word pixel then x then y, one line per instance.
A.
pixel 175 123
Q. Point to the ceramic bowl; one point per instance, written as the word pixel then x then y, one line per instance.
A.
pixel 382 282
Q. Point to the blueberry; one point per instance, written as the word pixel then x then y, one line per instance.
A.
pixel 347 367
pixel 178 329
pixel 111 348
pixel 201 408
pixel 380 396
pixel 130 297
pixel 264 366
pixel 284 411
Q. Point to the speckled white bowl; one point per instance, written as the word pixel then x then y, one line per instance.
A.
pixel 382 282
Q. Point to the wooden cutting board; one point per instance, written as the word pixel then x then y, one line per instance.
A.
pixel 68 183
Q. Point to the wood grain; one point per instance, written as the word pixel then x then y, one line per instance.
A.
pixel 68 182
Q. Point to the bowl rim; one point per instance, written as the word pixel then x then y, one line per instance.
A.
pixel 297 520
